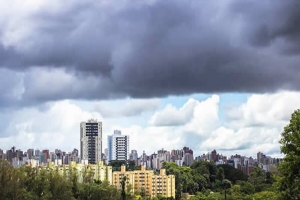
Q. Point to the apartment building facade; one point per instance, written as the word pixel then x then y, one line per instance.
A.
pixel 152 184
pixel 91 141
pixel 118 146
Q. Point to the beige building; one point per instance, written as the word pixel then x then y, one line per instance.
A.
pixel 98 171
pixel 146 180
pixel 163 184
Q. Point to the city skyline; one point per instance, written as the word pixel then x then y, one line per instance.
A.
pixel 181 157
pixel 31 152
pixel 167 73
pixel 210 112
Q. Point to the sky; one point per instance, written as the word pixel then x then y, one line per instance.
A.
pixel 221 74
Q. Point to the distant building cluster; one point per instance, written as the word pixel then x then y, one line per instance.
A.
pixel 182 157
pixel 90 157
pixel 39 157
pixel 243 163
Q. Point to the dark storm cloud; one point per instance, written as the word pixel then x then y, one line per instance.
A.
pixel 158 48
pixel 271 22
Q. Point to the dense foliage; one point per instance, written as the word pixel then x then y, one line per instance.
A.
pixel 43 184
pixel 205 180
pixel 130 165
pixel 289 179
pixel 31 183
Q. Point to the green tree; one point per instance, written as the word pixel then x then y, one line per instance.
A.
pixel 246 187
pixel 265 195
pixel 131 165
pixel 173 168
pixel 123 193
pixel 201 181
pixel 233 174
pixel 74 179
pixel 143 192
pixel 129 193
pixel 30 181
pixel 60 187
pixel 95 191
pixel 42 185
pixel 116 164
pixel 110 191
pixel 205 174
pixel 226 185
pixel 10 182
pixel 257 177
pixel 87 175
pixel 220 174
pixel 289 177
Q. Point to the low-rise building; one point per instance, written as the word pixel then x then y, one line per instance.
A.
pixel 99 171
pixel 146 180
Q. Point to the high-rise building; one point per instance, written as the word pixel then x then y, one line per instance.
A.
pixel 259 157
pixel 118 146
pixel 2 154
pixel 134 155
pixel 91 141
pixel 37 153
pixel 46 156
pixel 75 152
pixel 214 155
pixel 30 153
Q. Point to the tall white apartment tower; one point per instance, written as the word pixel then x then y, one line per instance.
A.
pixel 118 146
pixel 91 141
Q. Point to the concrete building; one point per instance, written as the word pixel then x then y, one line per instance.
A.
pixel 176 154
pixel 133 155
pixel 99 171
pixel 214 155
pixel 46 157
pixel 118 146
pixel 37 153
pixel 188 159
pixel 163 184
pixel 2 154
pixel 30 153
pixel 91 141
pixel 152 184
pixel 162 156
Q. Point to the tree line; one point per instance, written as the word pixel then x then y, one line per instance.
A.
pixel 203 179
pixel 34 183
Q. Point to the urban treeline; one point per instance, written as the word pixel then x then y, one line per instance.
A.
pixel 201 181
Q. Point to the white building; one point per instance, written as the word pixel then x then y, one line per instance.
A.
pixel 91 141
pixel 118 146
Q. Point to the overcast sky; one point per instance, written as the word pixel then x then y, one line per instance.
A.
pixel 221 75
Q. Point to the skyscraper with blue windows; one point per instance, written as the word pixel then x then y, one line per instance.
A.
pixel 118 146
